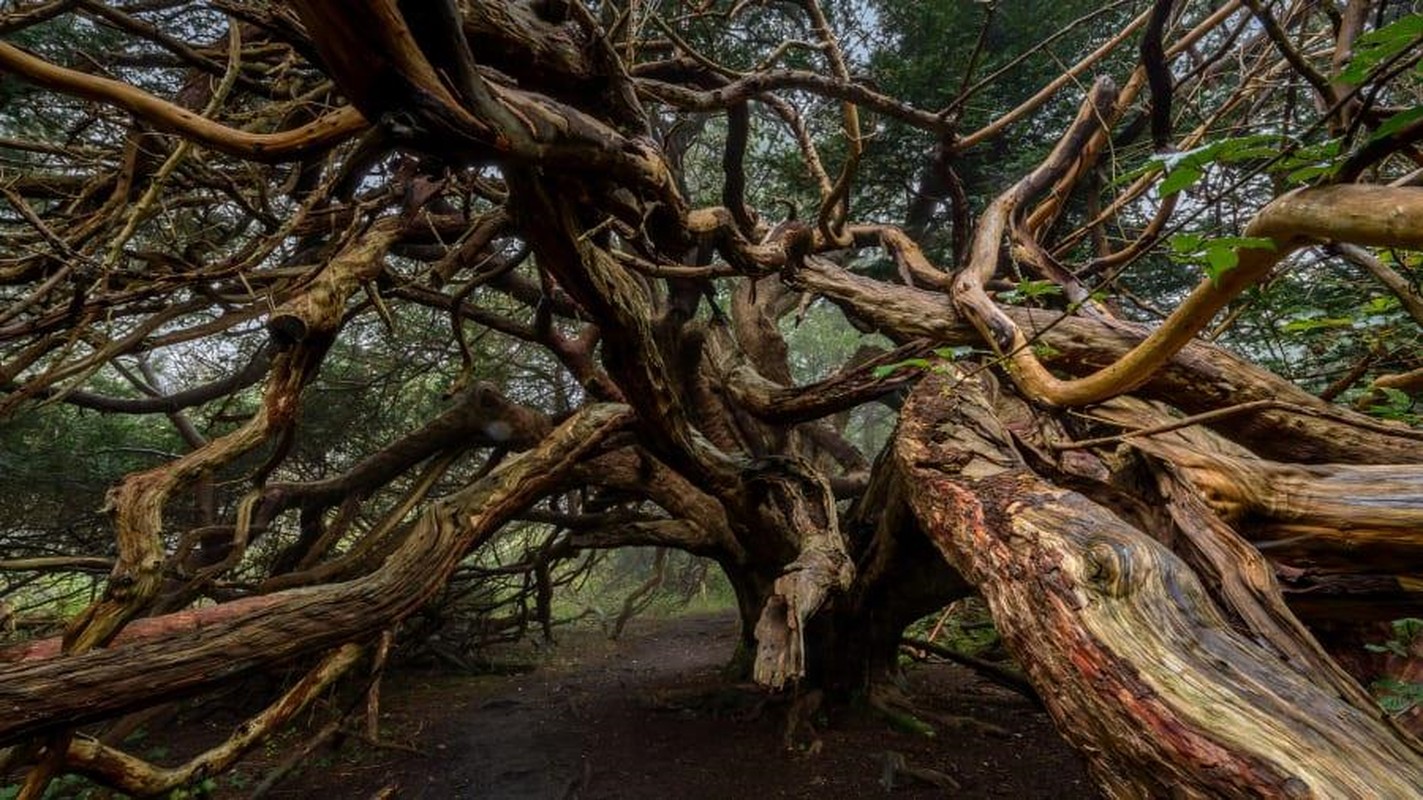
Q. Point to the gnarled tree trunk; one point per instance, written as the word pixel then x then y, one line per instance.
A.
pixel 501 166
pixel 1141 669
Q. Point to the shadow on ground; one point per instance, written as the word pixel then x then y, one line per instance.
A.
pixel 649 717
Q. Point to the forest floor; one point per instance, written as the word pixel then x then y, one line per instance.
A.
pixel 649 716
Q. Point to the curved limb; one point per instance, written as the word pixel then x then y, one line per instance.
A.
pixel 315 136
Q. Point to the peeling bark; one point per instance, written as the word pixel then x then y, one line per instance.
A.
pixel 1138 666
pixel 165 657
pixel 821 569
pixel 520 161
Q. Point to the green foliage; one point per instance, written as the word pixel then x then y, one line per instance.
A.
pixel 1394 695
pixel 1215 255
pixel 25 116
pixel 1407 633
pixel 819 343
pixel 64 787
pixel 1309 163
pixel 204 788
pixel 1398 697
pixel 1315 320
pixel 1376 47
pixel 57 461
pixel 964 627
pixel 923 53
pixel 1184 169
pixel 1045 352
pixel 1397 122
pixel 1029 292
pixel 956 353
pixel 943 354
pixel 886 370
pixel 1393 404
pixel 1294 162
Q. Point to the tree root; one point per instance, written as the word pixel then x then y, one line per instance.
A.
pixel 999 674
pixel 799 717
pixel 903 714
pixel 896 767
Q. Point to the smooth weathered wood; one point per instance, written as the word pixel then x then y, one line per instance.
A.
pixel 510 157
pixel 137 776
pixel 1200 377
pixel 184 653
pixel 1136 663
pixel 1344 517
pixel 316 136
pixel 821 569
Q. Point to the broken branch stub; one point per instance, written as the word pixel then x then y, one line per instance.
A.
pixel 800 496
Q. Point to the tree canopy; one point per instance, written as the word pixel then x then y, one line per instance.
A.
pixel 344 311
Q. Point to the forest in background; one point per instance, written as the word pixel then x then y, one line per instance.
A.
pixel 338 333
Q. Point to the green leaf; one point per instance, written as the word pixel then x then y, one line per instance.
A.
pixel 1307 174
pixel 953 353
pixel 1220 260
pixel 1378 46
pixel 1218 256
pixel 1309 162
pixel 1246 148
pixel 1408 628
pixel 1305 325
pixel 1397 122
pixel 886 370
pixel 1185 168
pixel 1397 397
pixel 1032 289
pixel 1181 177
pixel 1382 304
pixel 1243 242
pixel 1395 704
pixel 1183 243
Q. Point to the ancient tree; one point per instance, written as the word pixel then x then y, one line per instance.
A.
pixel 596 227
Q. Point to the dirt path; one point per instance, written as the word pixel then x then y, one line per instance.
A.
pixel 648 717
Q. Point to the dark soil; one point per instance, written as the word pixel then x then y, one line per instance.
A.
pixel 649 716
